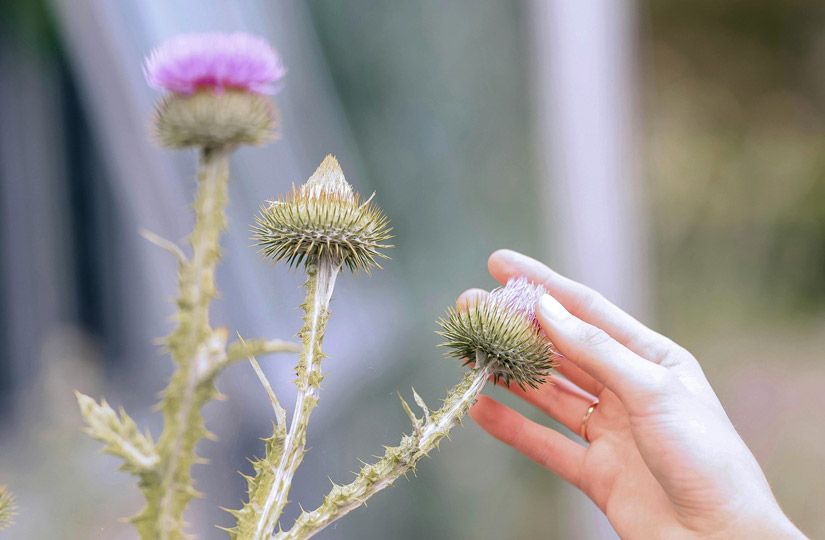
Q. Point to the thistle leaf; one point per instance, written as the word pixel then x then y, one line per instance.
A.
pixel 258 486
pixel 242 349
pixel 416 422
pixel 420 402
pixel 120 434
pixel 165 244
pixel 280 413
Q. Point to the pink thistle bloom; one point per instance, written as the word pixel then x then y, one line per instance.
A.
pixel 188 62
pixel 519 296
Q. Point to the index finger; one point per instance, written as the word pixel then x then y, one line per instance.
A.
pixel 584 303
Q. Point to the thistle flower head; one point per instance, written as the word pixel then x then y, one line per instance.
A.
pixel 214 84
pixel 190 62
pixel 501 330
pixel 323 218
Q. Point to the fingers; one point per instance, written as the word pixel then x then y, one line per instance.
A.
pixel 584 303
pixel 632 378
pixel 543 445
pixel 578 376
pixel 560 399
pixel 469 297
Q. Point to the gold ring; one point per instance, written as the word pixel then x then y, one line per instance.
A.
pixel 587 415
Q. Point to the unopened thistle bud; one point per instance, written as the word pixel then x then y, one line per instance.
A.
pixel 501 331
pixel 323 218
pixel 215 85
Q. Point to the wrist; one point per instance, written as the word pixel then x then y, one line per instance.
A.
pixel 773 526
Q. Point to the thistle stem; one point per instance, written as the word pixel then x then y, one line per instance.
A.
pixel 192 345
pixel 397 460
pixel 320 283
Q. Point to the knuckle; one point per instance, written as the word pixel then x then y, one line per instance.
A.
pixel 593 336
pixel 660 382
pixel 684 356
pixel 589 299
pixel 673 355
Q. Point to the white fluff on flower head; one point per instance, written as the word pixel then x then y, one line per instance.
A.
pixel 520 296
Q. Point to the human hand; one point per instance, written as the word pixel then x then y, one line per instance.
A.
pixel 663 459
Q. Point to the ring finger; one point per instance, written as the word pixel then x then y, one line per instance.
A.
pixel 562 400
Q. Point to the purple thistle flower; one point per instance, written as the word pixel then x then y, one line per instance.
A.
pixel 519 296
pixel 188 62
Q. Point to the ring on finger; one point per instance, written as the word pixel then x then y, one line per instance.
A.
pixel 586 419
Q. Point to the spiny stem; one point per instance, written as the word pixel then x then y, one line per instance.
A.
pixel 397 460
pixel 320 283
pixel 193 349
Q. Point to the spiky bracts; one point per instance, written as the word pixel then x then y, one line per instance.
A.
pixel 502 326
pixel 209 119
pixel 323 218
pixel 397 460
pixel 8 508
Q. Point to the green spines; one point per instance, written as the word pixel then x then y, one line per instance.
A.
pixel 323 226
pixel 195 347
pixel 512 344
pixel 120 434
pixel 397 460
pixel 312 331
pixel 258 486
pixel 140 456
pixel 8 508
pixel 323 218
pixel 210 119
pixel 266 501
pixel 164 468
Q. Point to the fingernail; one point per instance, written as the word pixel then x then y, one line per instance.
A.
pixel 551 308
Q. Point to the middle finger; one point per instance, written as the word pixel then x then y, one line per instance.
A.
pixel 560 399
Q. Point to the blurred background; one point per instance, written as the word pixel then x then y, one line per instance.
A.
pixel 671 155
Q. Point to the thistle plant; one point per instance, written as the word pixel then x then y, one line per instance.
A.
pixel 322 226
pixel 499 337
pixel 214 100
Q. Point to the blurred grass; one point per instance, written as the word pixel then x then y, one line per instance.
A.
pixel 734 99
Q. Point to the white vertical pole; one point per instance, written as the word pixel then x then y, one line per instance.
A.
pixel 585 131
